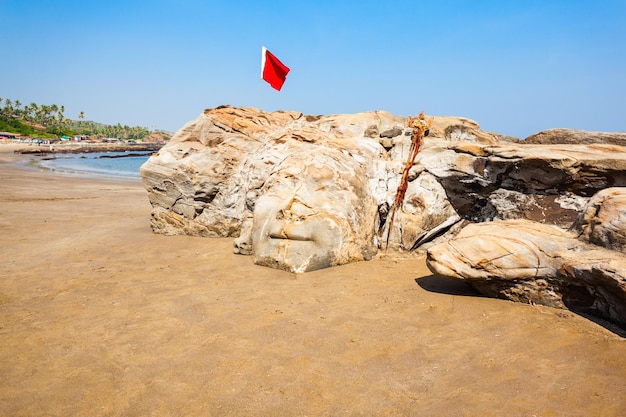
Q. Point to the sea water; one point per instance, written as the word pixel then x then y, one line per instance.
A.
pixel 109 164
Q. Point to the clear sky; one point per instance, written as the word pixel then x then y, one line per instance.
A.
pixel 516 67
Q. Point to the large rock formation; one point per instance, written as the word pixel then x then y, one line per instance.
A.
pixel 232 172
pixel 298 192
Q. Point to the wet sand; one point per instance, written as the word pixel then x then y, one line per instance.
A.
pixel 101 317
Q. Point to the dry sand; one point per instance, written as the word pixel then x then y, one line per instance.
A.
pixel 101 317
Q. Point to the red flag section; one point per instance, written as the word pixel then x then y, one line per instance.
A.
pixel 272 70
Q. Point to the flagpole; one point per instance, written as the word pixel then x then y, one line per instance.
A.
pixel 261 81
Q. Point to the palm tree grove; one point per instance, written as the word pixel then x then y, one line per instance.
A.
pixel 49 122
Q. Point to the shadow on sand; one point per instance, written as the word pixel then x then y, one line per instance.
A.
pixel 433 283
pixel 441 285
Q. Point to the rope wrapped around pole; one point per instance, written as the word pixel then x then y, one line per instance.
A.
pixel 419 128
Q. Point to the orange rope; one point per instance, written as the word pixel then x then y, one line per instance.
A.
pixel 419 127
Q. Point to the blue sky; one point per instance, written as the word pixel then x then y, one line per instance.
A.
pixel 516 67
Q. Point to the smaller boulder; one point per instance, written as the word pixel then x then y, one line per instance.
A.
pixel 603 220
pixel 391 133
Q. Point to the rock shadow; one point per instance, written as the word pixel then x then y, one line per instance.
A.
pixel 440 285
pixel 612 327
pixel 433 283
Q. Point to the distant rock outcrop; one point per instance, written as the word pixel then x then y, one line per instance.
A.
pixel 576 137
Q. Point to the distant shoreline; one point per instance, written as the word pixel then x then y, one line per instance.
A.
pixel 25 156
pixel 83 147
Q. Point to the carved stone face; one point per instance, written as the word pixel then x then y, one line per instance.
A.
pixel 314 212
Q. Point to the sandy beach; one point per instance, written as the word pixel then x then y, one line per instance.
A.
pixel 101 317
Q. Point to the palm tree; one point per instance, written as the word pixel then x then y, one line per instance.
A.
pixel 43 112
pixel 18 110
pixel 8 106
pixel 32 111
pixel 53 109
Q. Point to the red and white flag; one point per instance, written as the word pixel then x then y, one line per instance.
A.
pixel 272 70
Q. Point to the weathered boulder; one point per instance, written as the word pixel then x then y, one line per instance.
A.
pixel 576 137
pixel 513 259
pixel 527 261
pixel 596 285
pixel 461 129
pixel 603 219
